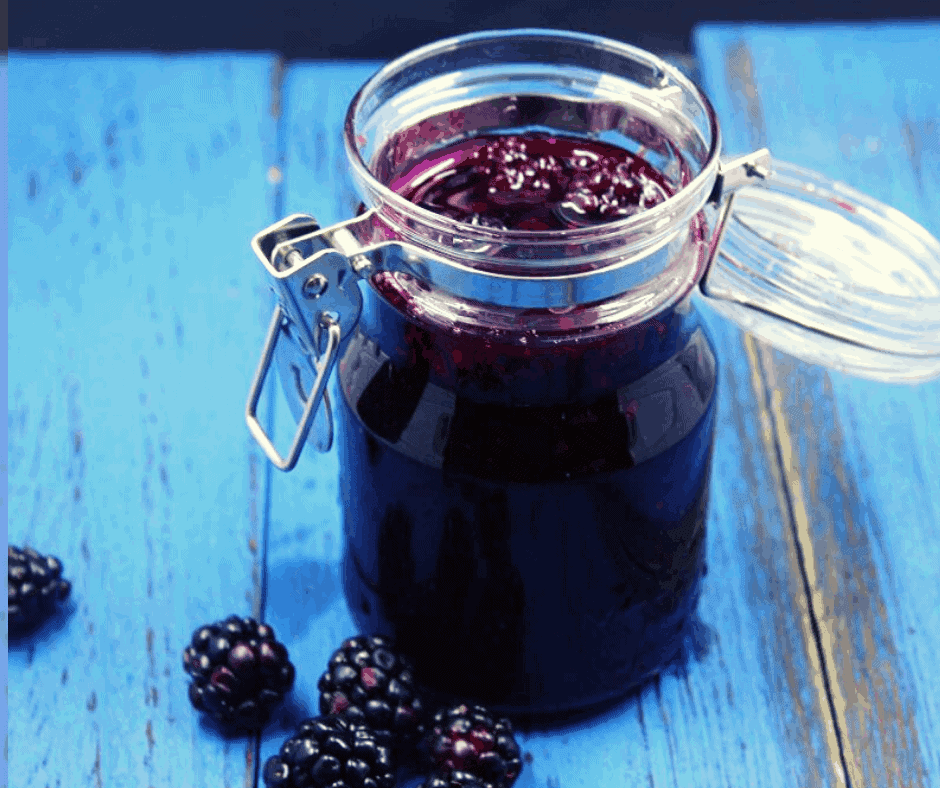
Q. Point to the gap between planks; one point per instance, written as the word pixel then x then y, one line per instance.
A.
pixel 275 106
pixel 817 634
pixel 778 447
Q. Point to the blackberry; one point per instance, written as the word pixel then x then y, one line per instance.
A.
pixel 453 780
pixel 470 739
pixel 367 683
pixel 34 586
pixel 329 751
pixel 239 672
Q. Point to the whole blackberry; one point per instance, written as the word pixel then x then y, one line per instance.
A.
pixel 34 586
pixel 331 752
pixel 367 683
pixel 239 671
pixel 470 739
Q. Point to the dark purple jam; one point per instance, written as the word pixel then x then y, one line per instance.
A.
pixel 533 182
pixel 524 513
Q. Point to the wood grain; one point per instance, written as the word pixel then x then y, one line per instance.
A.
pixel 136 316
pixel 738 713
pixel 135 312
pixel 857 460
pixel 304 596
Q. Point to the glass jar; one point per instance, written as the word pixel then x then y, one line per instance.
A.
pixel 526 418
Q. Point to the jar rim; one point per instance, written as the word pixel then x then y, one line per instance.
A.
pixel 672 212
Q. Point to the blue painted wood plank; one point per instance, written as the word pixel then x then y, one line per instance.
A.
pixel 861 105
pixel 135 313
pixel 741 713
pixel 304 596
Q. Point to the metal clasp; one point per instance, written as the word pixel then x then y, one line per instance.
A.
pixel 732 175
pixel 323 369
pixel 737 172
pixel 319 304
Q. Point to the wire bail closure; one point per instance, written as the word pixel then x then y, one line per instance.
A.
pixel 319 304
pixel 732 175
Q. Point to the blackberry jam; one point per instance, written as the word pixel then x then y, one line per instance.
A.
pixel 533 182
pixel 525 499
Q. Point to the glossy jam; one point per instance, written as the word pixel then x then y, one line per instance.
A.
pixel 524 510
pixel 536 182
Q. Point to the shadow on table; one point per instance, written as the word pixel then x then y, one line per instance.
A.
pixel 299 592
pixel 697 643
pixel 24 641
pixel 284 722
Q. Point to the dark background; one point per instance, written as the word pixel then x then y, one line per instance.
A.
pixel 369 29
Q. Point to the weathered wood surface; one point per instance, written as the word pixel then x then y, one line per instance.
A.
pixel 858 461
pixel 136 316
pixel 135 312
pixel 4 475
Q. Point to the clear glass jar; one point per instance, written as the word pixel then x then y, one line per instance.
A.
pixel 526 419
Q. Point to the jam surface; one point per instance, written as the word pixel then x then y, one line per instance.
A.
pixel 533 182
pixel 524 515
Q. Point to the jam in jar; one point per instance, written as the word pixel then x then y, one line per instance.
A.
pixel 525 494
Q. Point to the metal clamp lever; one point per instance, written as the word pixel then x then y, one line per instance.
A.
pixel 323 368
pixel 732 175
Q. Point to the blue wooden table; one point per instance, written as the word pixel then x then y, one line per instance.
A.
pixel 136 313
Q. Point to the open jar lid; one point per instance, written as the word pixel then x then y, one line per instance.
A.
pixel 828 274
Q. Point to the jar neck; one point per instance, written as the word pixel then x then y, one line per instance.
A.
pixel 539 326
pixel 542 82
pixel 547 81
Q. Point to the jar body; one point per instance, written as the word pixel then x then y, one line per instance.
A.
pixel 526 419
pixel 525 514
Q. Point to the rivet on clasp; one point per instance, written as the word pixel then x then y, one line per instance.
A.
pixel 314 285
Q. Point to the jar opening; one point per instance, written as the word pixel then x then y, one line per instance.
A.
pixel 532 82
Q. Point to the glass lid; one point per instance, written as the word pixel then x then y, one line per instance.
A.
pixel 828 274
